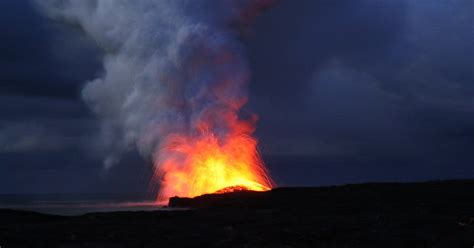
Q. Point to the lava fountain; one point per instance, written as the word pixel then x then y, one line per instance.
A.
pixel 207 162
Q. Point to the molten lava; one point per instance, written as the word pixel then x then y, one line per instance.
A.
pixel 235 188
pixel 203 163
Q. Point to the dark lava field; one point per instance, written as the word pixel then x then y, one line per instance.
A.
pixel 430 214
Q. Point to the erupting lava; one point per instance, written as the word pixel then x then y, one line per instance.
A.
pixel 207 163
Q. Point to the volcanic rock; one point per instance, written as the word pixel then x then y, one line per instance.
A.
pixel 389 215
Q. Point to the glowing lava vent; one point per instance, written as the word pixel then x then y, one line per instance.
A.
pixel 203 163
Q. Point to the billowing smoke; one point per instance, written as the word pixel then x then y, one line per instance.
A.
pixel 168 65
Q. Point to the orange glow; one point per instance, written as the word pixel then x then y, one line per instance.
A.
pixel 203 163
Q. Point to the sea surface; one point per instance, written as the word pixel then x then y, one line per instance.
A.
pixel 78 204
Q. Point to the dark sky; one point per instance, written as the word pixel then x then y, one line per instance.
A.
pixel 347 91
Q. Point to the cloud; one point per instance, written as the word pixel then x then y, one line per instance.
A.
pixel 27 137
pixel 40 124
pixel 40 58
pixel 23 108
pixel 431 61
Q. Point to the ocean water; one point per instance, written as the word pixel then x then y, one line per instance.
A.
pixel 77 204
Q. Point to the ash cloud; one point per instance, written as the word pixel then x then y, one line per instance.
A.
pixel 163 60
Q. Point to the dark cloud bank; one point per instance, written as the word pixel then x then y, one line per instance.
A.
pixel 346 91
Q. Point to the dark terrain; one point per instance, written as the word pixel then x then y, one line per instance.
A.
pixel 432 214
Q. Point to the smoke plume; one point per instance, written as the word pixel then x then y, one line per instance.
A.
pixel 168 65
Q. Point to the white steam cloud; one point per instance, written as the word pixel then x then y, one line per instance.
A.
pixel 163 61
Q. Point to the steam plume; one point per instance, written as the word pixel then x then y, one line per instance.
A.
pixel 168 64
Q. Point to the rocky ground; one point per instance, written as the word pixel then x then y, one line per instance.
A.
pixel 432 214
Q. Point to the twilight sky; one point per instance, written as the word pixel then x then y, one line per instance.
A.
pixel 347 91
